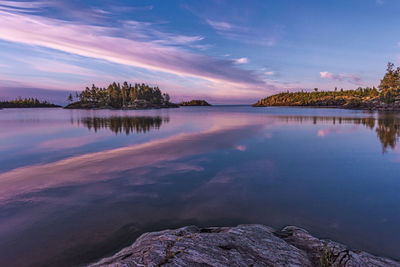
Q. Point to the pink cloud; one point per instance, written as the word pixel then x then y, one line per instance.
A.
pixel 59 67
pixel 339 77
pixel 98 42
pixel 242 60
pixel 241 148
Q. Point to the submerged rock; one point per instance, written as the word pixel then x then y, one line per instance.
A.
pixel 244 245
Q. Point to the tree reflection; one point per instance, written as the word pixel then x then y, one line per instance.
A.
pixel 126 124
pixel 387 126
pixel 388 131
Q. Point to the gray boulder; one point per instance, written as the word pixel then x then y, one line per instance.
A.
pixel 244 245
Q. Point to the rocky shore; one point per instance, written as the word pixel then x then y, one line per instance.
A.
pixel 137 104
pixel 323 103
pixel 244 245
pixel 364 99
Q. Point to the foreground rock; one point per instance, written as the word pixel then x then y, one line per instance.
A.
pixel 244 245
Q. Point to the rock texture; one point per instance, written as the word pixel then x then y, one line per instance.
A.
pixel 244 245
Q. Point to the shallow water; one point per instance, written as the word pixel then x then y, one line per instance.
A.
pixel 76 186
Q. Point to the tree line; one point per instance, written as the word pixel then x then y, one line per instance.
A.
pixel 387 92
pixel 26 103
pixel 390 84
pixel 118 96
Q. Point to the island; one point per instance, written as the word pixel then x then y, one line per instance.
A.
pixel 195 103
pixel 27 103
pixel 115 96
pixel 386 97
pixel 243 245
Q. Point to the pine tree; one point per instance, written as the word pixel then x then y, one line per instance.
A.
pixel 70 98
pixel 390 84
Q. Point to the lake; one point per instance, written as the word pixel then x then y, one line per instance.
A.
pixel 78 185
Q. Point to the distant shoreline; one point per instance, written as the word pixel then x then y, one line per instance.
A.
pixel 359 99
pixel 48 106
pixel 379 108
pixel 336 107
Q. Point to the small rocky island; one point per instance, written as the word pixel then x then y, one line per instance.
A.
pixel 386 97
pixel 244 245
pixel 27 103
pixel 195 103
pixel 115 96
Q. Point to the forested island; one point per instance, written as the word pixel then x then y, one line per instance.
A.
pixel 115 96
pixel 385 97
pixel 195 103
pixel 27 103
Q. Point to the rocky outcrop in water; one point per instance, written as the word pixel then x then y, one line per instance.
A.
pixel 244 245
pixel 195 103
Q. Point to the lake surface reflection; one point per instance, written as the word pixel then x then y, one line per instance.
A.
pixel 124 124
pixel 79 185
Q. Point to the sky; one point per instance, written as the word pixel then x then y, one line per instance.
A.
pixel 227 52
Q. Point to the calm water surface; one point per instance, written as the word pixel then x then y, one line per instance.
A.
pixel 76 186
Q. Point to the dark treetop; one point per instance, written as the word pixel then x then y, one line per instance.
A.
pixel 127 96
pixel 387 97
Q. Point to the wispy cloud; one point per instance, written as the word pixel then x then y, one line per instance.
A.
pixel 241 33
pixel 180 39
pixel 21 5
pixel 145 31
pixel 98 42
pixel 340 77
pixel 220 25
pixel 53 66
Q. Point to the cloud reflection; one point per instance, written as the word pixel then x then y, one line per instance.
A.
pixel 109 164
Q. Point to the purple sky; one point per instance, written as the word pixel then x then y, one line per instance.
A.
pixel 223 51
